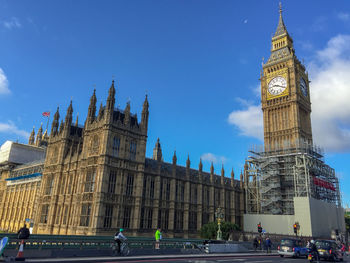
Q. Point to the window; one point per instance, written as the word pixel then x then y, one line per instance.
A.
pixel 44 213
pixel 192 221
pixel 178 220
pixel 163 219
pixel 58 215
pixel 94 144
pixel 148 187
pixel 126 217
pixel 133 151
pixel 146 218
pixel 111 182
pixel 116 146
pixel 49 185
pixel 85 215
pixel 108 216
pixel 65 215
pixel 90 181
pixel 129 185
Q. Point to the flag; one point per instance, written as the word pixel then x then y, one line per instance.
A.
pixel 46 114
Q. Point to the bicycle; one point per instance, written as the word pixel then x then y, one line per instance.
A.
pixel 124 249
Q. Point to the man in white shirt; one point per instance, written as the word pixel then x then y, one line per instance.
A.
pixel 119 238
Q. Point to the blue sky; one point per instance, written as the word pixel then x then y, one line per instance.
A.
pixel 199 62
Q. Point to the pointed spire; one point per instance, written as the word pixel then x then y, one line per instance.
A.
pixel 188 162
pixel 127 114
pixel 39 135
pixel 232 178
pixel 61 127
pixel 200 166
pixel 76 121
pixel 281 28
pixel 92 107
pixel 111 98
pixel 31 137
pixel 69 115
pixel 212 168
pixel 157 151
pixel 55 122
pixel 144 115
pixel 100 112
pixel 222 175
pixel 45 136
pixel 174 158
pixel 241 179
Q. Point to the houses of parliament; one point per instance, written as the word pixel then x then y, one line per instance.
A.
pixel 96 178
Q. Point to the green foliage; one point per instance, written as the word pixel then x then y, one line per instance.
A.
pixel 347 222
pixel 209 231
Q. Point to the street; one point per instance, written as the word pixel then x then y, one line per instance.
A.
pixel 189 259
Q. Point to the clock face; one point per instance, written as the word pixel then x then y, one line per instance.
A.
pixel 277 85
pixel 303 87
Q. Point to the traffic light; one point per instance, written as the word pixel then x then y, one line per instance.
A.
pixel 259 228
pixel 295 227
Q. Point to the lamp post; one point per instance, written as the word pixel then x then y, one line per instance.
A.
pixel 219 214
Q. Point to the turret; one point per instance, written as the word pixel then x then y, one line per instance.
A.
pixel 232 178
pixel 127 114
pixel 174 158
pixel 55 122
pixel 212 173
pixel 200 166
pixel 100 112
pixel 157 151
pixel 222 175
pixel 144 115
pixel 241 183
pixel 111 98
pixel 69 117
pixel 31 137
pixel 39 136
pixel 188 162
pixel 92 108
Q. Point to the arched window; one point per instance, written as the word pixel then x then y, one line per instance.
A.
pixel 95 143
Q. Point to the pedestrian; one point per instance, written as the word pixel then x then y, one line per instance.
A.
pixel 23 233
pixel 158 237
pixel 255 243
pixel 259 242
pixel 268 245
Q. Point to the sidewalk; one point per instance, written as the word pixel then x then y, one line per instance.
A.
pixel 150 257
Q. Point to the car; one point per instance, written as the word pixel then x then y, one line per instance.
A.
pixel 329 250
pixel 292 247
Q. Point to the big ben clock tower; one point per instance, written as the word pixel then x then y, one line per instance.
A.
pixel 285 95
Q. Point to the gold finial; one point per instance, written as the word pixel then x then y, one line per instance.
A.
pixel 280 8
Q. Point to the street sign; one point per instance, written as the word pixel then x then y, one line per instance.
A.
pixel 3 243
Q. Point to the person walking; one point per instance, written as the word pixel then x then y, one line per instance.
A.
pixel 23 233
pixel 158 237
pixel 268 245
pixel 119 238
pixel 255 243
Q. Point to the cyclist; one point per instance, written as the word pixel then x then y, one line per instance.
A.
pixel 119 238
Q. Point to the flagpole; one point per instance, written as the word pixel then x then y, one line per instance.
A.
pixel 48 119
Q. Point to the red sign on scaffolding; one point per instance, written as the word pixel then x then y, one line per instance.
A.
pixel 323 183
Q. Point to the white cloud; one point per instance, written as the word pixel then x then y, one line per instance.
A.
pixel 330 94
pixel 245 21
pixel 213 158
pixel 343 16
pixel 10 127
pixel 3 83
pixel 249 121
pixel 12 23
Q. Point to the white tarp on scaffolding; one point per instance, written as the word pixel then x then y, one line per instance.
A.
pixel 315 217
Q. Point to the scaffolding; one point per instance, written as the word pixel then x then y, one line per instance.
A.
pixel 273 178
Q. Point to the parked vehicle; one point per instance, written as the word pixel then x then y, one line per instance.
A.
pixel 329 250
pixel 292 247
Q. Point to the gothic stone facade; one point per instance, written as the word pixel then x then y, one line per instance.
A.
pixel 97 178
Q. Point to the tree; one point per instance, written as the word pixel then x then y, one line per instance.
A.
pixel 209 231
pixel 347 222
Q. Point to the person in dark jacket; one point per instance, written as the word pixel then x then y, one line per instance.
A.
pixel 255 243
pixel 23 233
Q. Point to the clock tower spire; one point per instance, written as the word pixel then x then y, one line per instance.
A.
pixel 285 96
